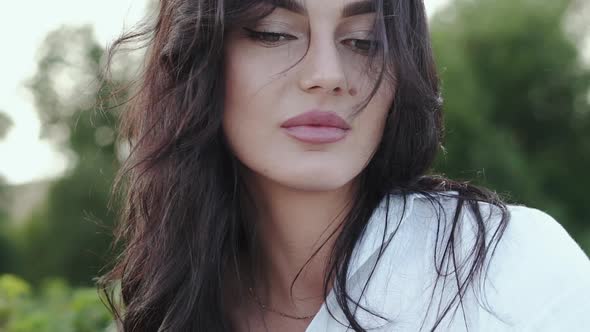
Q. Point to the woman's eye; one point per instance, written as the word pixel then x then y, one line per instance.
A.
pixel 362 46
pixel 267 37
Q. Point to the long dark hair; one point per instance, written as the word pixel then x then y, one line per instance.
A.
pixel 180 222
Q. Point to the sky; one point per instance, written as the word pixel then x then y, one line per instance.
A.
pixel 23 25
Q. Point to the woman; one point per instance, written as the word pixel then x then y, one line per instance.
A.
pixel 276 182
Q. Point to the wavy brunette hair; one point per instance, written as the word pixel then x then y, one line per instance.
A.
pixel 181 224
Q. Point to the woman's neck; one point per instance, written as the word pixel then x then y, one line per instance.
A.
pixel 291 225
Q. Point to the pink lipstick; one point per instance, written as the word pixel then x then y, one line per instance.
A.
pixel 317 127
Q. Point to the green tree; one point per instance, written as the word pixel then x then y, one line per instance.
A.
pixel 516 99
pixel 8 253
pixel 70 233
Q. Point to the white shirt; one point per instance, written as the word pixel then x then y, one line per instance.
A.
pixel 538 278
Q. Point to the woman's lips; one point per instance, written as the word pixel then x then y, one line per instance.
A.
pixel 317 127
pixel 316 134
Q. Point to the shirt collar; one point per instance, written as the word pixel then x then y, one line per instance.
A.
pixel 382 226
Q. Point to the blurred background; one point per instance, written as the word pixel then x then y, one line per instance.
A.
pixel 516 84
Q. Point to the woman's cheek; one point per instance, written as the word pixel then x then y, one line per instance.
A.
pixel 251 123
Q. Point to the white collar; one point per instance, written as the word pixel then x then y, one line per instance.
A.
pixel 380 230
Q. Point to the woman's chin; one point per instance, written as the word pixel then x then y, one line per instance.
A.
pixel 328 181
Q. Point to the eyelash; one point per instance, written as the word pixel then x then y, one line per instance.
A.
pixel 263 36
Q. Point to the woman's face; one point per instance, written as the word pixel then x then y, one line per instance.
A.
pixel 331 77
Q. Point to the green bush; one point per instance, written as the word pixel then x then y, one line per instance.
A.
pixel 54 307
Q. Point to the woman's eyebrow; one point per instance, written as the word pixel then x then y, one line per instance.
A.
pixel 351 9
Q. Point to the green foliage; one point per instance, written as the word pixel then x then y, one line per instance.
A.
pixel 69 235
pixel 54 308
pixel 516 103
pixel 13 293
pixel 9 254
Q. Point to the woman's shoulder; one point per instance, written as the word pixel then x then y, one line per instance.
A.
pixel 534 232
pixel 537 277
pixel 524 225
pixel 526 239
pixel 534 275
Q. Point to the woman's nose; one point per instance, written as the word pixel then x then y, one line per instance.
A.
pixel 323 71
